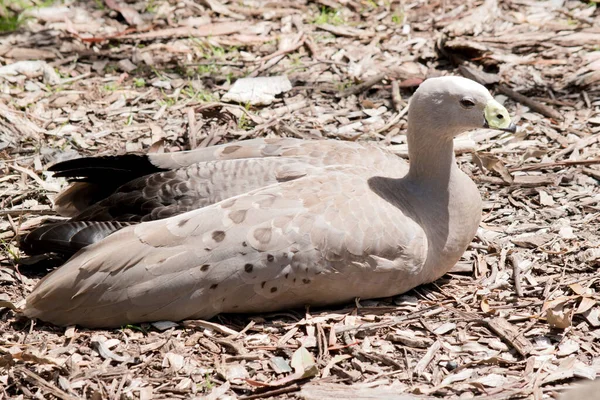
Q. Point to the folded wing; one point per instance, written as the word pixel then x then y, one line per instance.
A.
pixel 276 247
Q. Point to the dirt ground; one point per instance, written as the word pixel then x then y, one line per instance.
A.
pixel 517 318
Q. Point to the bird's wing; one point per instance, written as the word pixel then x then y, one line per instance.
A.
pixel 96 178
pixel 165 194
pixel 320 152
pixel 161 195
pixel 312 240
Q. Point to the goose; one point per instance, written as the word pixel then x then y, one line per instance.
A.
pixel 274 224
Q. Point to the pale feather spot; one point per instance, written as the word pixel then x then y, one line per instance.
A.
pixel 238 216
pixel 271 149
pixel 227 203
pixel 262 235
pixel 282 221
pixel 290 152
pixel 266 202
pixel 218 236
pixel 231 149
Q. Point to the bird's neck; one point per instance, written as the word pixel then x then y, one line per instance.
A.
pixel 431 157
pixel 446 200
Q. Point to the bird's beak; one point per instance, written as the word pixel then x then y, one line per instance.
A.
pixel 495 116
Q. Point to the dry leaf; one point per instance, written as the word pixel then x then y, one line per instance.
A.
pixel 559 317
pixel 304 367
pixel 486 161
pixel 258 91
pixel 578 289
pixel 485 306
pixel 304 363
pixel 131 15
pixel 569 346
pixel 585 304
pixel 279 365
pixel 546 199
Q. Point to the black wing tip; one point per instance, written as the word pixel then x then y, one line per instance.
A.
pixel 132 162
pixel 122 167
pixel 67 238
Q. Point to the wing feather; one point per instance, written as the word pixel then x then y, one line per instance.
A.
pixel 275 247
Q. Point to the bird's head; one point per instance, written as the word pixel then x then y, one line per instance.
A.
pixel 451 105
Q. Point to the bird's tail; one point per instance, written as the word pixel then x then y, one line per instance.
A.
pixel 66 238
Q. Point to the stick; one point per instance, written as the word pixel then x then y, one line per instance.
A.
pixel 514 259
pixel 24 211
pixel 396 97
pixel 534 105
pixel 293 388
pixel 299 43
pixel 42 383
pixel 566 163
pixel 363 86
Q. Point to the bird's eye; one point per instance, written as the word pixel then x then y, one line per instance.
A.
pixel 467 102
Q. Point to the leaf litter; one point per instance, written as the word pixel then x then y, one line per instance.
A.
pixel 518 317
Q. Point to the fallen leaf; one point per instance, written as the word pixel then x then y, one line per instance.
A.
pixel 258 91
pixel 559 317
pixel 458 377
pixel 585 304
pixel 279 365
pixel 578 289
pixel 304 363
pixel 546 199
pixel 485 306
pixel 131 16
pixel 593 317
pixel 104 351
pixel 304 367
pixel 567 347
pixel 336 359
pixel 445 328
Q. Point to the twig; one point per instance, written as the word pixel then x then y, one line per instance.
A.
pixel 472 73
pixel 534 105
pixel 363 86
pixel 393 121
pixel 427 358
pixel 515 261
pixel 43 383
pixel 299 43
pixel 292 388
pixel 396 97
pixel 394 321
pixel 23 212
pixel 585 20
pixel 310 45
pixel 198 323
pixel 566 163
pixel 192 130
pixel 578 145
pixel 242 63
pixel 506 332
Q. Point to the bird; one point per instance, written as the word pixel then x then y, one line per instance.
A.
pixel 280 223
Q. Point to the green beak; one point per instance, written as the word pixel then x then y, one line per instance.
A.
pixel 496 117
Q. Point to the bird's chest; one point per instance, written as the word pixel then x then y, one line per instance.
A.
pixel 452 226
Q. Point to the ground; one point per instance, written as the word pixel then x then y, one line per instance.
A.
pixel 518 317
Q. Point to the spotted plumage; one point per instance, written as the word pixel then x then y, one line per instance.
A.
pixel 315 222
